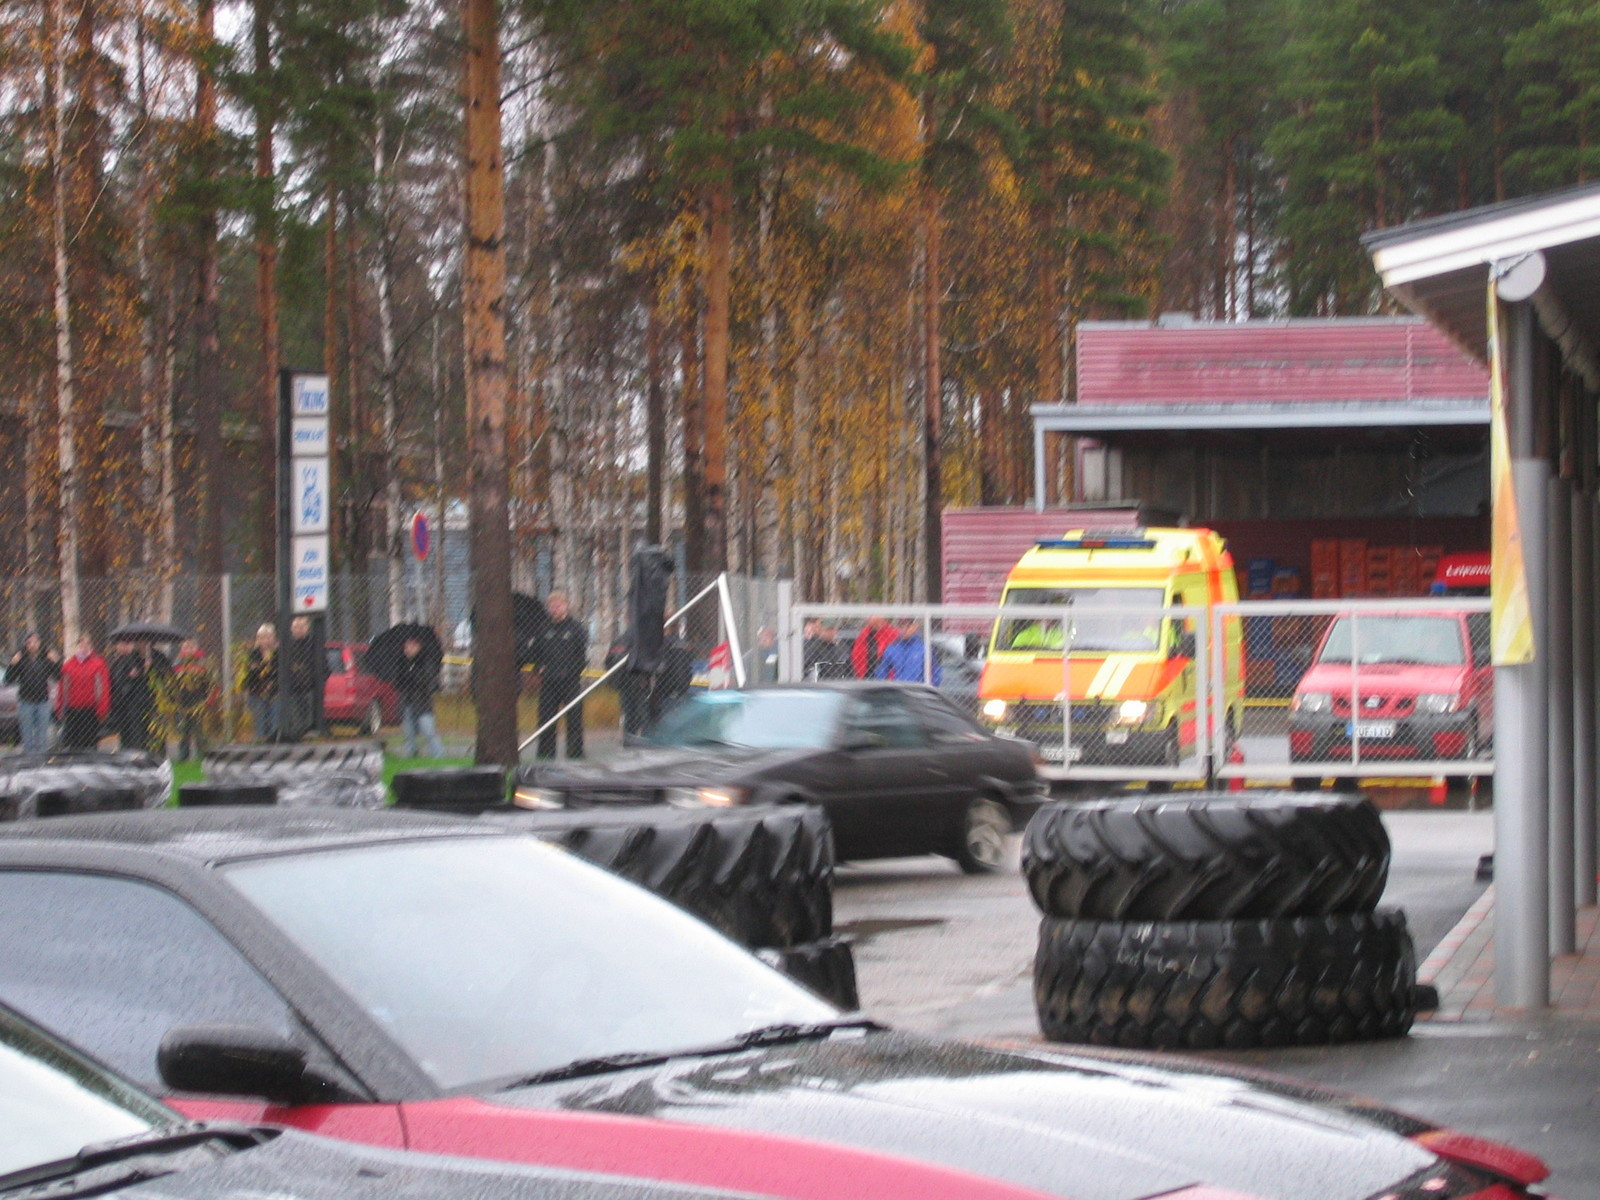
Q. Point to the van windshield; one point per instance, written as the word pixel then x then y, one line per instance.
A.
pixel 1432 641
pixel 1100 618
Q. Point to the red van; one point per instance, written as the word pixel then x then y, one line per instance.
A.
pixel 1420 687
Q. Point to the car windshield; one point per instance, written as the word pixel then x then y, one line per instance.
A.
pixel 1103 618
pixel 52 1103
pixel 492 958
pixel 1432 641
pixel 768 718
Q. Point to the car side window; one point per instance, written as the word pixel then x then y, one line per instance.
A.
pixel 112 964
pixel 1478 634
pixel 884 713
pixel 943 721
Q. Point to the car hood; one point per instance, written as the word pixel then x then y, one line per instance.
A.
pixel 1088 1126
pixel 1389 679
pixel 296 1166
pixel 664 766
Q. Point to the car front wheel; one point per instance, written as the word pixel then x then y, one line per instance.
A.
pixel 374 721
pixel 983 837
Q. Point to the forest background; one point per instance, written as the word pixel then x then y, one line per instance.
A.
pixel 783 277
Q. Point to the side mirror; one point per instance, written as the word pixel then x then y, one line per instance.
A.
pixel 236 1060
pixel 1185 647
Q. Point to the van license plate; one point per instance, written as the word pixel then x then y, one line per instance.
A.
pixel 1370 729
pixel 1061 754
pixel 1116 737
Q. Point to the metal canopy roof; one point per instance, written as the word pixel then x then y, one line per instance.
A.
pixel 1439 267
pixel 1096 419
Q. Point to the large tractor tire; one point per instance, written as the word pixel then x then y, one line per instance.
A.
pixel 764 876
pixel 1208 856
pixel 85 774
pixel 1202 985
pixel 827 967
pixel 451 789
pixel 294 762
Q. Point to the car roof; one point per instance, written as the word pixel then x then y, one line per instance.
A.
pixel 216 834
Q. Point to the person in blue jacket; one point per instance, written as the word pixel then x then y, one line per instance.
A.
pixel 905 659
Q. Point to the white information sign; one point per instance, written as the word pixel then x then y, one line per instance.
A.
pixel 308 437
pixel 308 495
pixel 310 396
pixel 310 580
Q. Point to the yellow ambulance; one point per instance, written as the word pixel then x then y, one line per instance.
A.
pixel 1130 671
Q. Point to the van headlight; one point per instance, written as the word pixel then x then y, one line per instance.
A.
pixel 1437 702
pixel 1313 702
pixel 1132 712
pixel 995 710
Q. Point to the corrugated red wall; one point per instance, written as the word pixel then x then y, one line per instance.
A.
pixel 981 545
pixel 1279 361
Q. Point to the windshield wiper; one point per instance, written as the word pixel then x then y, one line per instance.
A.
pixel 168 1139
pixel 766 1035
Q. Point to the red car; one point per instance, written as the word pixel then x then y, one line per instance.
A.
pixel 353 695
pixel 1421 688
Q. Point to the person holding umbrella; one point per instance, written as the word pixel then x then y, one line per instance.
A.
pixel 416 679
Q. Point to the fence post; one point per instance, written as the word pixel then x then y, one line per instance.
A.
pixel 787 671
pixel 226 657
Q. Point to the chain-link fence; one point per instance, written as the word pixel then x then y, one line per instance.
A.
pixel 224 687
pixel 1267 690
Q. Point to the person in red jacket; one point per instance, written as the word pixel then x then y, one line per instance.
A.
pixel 84 698
pixel 874 638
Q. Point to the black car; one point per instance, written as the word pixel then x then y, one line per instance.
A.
pixel 69 1128
pixel 898 767
pixel 414 960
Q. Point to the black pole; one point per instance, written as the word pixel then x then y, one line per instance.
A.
pixel 285 542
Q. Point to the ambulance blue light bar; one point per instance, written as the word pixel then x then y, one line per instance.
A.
pixel 1090 540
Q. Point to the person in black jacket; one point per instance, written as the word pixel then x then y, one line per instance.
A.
pixel 300 661
pixel 562 651
pixel 132 701
pixel 33 672
pixel 416 679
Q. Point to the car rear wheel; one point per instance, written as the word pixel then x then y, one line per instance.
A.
pixel 983 837
pixel 374 721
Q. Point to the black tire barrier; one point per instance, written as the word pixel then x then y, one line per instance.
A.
pixel 293 762
pixel 195 795
pixel 450 789
pixel 335 789
pixel 1208 856
pixel 762 875
pixel 827 967
pixel 1202 985
pixel 86 772
pixel 65 802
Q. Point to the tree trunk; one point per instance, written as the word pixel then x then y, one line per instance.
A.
pixel 70 486
pixel 932 393
pixel 719 282
pixel 266 239
pixel 494 673
pixel 207 303
pixel 392 540
pixel 655 419
pixel 558 427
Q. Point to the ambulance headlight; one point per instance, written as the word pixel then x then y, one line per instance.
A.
pixel 1131 712
pixel 995 710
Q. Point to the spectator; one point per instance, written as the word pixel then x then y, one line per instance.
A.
pixel 905 658
pixel 194 693
pixel 765 656
pixel 634 689
pixel 868 648
pixel 83 701
pixel 674 676
pixel 416 679
pixel 261 683
pixel 823 656
pixel 562 651
pixel 132 701
pixel 300 661
pixel 33 673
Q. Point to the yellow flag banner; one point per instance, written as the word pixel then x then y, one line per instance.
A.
pixel 1510 616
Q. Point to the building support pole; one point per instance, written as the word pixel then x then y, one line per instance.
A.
pixel 1559 681
pixel 1583 697
pixel 1039 500
pixel 1521 811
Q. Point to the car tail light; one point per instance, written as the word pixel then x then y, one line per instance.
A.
pixel 1516 1165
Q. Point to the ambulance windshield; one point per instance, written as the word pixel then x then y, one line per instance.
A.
pixel 1124 619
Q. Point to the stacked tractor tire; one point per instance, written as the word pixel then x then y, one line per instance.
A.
pixel 1225 919
pixel 69 781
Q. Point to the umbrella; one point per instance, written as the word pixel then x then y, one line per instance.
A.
pixel 387 649
pixel 146 631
